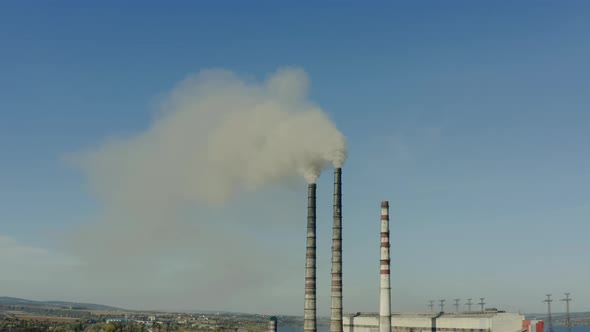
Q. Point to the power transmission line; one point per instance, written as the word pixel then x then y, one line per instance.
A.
pixel 567 312
pixel 549 323
pixel 431 305
pixel 469 304
pixel 482 303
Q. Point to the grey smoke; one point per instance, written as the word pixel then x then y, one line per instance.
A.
pixel 218 135
pixel 165 191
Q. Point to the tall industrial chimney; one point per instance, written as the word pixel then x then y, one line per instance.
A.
pixel 309 313
pixel 385 303
pixel 336 308
pixel 272 324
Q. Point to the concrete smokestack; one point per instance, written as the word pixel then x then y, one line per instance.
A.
pixel 336 308
pixel 272 324
pixel 309 314
pixel 385 302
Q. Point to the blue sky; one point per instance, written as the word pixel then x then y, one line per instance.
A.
pixel 470 117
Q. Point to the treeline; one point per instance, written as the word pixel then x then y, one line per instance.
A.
pixel 22 325
pixel 41 311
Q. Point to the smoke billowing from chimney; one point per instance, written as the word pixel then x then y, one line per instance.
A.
pixel 216 136
pixel 336 291
pixel 310 306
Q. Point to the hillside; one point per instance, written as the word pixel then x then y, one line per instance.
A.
pixel 18 302
pixel 577 318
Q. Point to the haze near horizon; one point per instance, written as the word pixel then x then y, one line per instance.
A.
pixel 156 157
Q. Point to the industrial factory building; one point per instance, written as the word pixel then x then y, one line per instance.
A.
pixel 490 321
pixel 384 321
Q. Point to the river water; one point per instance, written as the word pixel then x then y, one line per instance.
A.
pixel 574 329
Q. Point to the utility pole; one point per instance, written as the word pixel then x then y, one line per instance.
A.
pixel 442 306
pixel 431 305
pixel 549 323
pixel 457 304
pixel 567 312
pixel 469 304
pixel 482 303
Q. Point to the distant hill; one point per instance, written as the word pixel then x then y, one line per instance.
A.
pixel 560 316
pixel 14 301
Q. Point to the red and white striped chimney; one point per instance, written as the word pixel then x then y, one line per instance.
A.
pixel 385 302
pixel 309 311
pixel 272 324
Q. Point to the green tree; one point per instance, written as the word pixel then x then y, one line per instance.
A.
pixel 109 327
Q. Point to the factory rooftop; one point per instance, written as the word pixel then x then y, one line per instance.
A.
pixel 463 321
pixel 478 314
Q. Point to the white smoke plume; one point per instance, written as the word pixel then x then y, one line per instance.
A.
pixel 216 137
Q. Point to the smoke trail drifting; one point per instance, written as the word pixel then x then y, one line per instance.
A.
pixel 216 137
